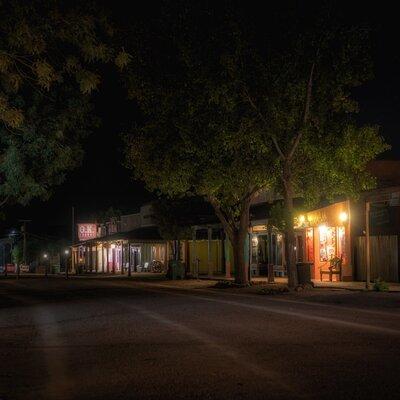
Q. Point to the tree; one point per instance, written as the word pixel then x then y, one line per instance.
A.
pixel 176 216
pixel 300 88
pixel 110 215
pixel 50 54
pixel 250 106
pixel 197 138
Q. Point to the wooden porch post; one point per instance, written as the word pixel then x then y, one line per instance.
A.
pixel 122 258
pixel 113 252
pixel 129 260
pixel 103 247
pixel 97 260
pixel 107 255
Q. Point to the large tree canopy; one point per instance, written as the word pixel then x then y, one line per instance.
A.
pixel 50 53
pixel 232 106
pixel 299 84
pixel 198 138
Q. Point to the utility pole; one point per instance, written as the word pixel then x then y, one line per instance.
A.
pixel 72 242
pixel 367 247
pixel 24 221
pixel 23 229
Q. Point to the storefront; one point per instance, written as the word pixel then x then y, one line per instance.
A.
pixel 323 238
pixel 266 248
pixel 134 251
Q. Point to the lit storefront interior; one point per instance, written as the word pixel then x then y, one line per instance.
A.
pixel 323 239
pixel 120 254
pixel 266 248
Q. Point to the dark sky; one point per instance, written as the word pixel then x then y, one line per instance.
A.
pixel 102 180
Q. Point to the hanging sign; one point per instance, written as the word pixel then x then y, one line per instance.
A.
pixel 87 231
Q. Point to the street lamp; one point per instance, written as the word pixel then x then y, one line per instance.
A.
pixel 66 266
pixel 45 257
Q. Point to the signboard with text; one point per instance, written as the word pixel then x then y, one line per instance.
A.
pixel 87 231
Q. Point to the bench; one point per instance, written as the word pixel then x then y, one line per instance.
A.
pixel 335 268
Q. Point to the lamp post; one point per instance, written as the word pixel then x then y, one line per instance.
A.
pixel 45 257
pixel 66 253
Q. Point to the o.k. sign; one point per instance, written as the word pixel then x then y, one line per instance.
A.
pixel 87 231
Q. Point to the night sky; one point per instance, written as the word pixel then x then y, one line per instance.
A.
pixel 102 180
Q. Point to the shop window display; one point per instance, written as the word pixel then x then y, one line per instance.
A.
pixel 327 243
pixel 331 242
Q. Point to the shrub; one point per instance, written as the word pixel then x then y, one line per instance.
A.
pixel 380 285
pixel 271 290
pixel 224 284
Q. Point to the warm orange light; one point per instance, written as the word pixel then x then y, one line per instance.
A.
pixel 323 229
pixel 302 219
pixel 343 216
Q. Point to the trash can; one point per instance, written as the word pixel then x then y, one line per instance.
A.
pixel 176 270
pixel 304 272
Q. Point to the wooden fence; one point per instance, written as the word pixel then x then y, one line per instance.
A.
pixel 384 252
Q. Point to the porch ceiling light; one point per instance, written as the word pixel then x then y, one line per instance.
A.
pixel 302 219
pixel 343 216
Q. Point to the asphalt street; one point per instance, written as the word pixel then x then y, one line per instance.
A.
pixel 118 339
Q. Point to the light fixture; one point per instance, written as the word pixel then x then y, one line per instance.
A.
pixel 45 255
pixel 343 216
pixel 255 240
pixel 66 252
pixel 302 219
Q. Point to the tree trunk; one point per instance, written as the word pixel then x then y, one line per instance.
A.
pixel 290 240
pixel 238 243
pixel 239 261
pixel 237 232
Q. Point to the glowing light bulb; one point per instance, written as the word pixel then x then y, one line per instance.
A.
pixel 343 216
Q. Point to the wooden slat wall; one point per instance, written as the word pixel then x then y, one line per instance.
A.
pixel 384 258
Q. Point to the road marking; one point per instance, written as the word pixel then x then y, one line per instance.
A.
pixel 58 383
pixel 274 379
pixel 332 321
pixel 280 300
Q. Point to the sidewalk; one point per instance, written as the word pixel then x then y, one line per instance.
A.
pixel 393 287
pixel 354 285
pixel 202 281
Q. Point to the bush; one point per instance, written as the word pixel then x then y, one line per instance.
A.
pixel 271 290
pixel 228 284
pixel 380 285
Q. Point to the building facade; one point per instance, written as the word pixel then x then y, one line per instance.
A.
pixel 133 244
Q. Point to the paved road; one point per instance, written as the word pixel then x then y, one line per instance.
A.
pixel 105 339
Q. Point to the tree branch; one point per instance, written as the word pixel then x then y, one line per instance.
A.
pixel 263 119
pixel 306 112
pixel 221 215
pixel 4 201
